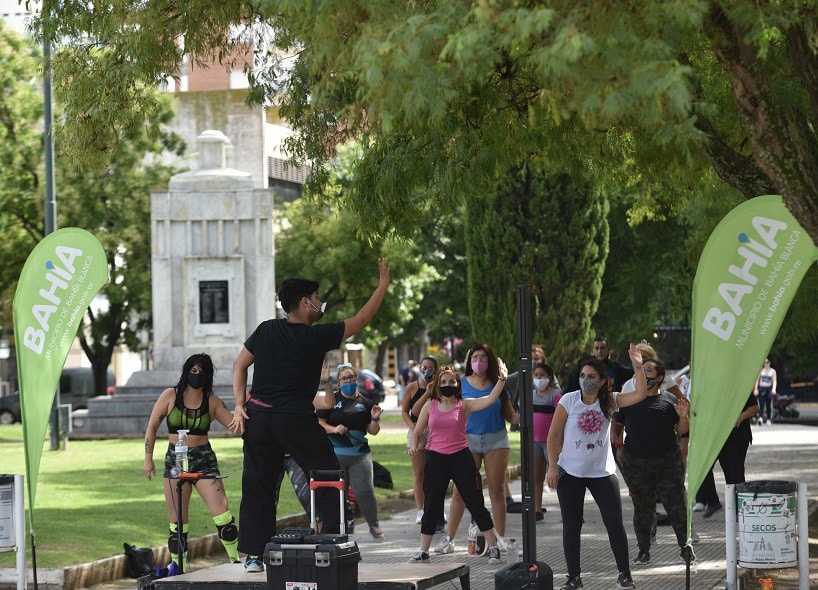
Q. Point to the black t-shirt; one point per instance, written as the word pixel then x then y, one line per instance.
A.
pixel 650 426
pixel 355 413
pixel 287 363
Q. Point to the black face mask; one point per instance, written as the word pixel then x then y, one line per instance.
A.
pixel 195 380
pixel 448 390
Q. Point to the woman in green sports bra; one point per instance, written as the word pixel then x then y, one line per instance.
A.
pixel 191 405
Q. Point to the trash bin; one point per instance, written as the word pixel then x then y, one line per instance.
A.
pixel 766 524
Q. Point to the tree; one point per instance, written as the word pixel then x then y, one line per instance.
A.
pixel 451 93
pixel 114 205
pixel 324 243
pixel 447 97
pixel 547 230
pixel 21 159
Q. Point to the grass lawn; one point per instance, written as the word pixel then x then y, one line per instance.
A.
pixel 93 497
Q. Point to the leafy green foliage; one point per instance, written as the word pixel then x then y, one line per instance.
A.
pixel 547 230
pixel 112 203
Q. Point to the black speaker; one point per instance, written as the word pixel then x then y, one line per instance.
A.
pixel 532 576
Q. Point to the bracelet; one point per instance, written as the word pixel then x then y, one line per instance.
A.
pixel 374 419
pixel 326 381
pixel 618 445
pixel 501 378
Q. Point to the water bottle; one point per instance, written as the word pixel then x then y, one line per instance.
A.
pixel 181 453
pixel 512 553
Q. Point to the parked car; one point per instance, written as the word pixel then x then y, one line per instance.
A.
pixel 76 386
pixel 370 385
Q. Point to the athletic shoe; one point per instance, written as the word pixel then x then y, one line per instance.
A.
pixel 501 543
pixel 573 583
pixel 419 517
pixel 711 510
pixel 769 422
pixel 494 555
pixel 538 515
pixel 642 559
pixel 440 526
pixel 253 564
pixel 687 554
pixel 376 533
pixel 419 557
pixel 446 545
pixel 698 507
pixel 625 581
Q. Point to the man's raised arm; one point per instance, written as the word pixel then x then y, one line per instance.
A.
pixel 360 320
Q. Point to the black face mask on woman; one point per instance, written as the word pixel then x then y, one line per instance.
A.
pixel 195 380
pixel 448 390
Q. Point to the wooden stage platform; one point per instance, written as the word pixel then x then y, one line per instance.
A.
pixel 371 576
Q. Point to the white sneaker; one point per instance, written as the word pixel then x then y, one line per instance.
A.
pixel 419 517
pixel 769 422
pixel 445 546
pixel 698 507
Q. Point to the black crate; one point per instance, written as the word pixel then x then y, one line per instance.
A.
pixel 296 566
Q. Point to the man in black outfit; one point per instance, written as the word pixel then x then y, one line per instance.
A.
pixel 279 417
pixel 617 374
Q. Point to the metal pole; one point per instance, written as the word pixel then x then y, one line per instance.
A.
pixel 803 537
pixel 525 385
pixel 50 199
pixel 20 531
pixel 730 536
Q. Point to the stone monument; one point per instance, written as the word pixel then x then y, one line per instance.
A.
pixel 212 269
pixel 212 262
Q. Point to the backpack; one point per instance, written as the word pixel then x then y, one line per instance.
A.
pixel 139 560
pixel 381 476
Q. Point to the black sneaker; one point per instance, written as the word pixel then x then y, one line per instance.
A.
pixel 642 559
pixel 625 581
pixel 711 510
pixel 687 554
pixel 573 583
pixel 420 556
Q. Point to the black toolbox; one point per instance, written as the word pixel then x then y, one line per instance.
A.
pixel 301 559
pixel 320 566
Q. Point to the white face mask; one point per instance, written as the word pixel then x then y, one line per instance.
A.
pixel 541 383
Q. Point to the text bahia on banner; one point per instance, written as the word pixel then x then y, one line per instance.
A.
pixel 748 274
pixel 60 278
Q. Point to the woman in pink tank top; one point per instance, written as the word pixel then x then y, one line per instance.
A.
pixel 448 457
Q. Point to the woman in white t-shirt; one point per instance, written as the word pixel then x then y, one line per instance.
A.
pixel 580 459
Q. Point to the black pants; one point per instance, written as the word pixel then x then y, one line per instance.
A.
pixel 731 458
pixel 571 494
pixel 459 467
pixel 765 401
pixel 268 436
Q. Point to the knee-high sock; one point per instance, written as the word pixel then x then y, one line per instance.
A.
pixel 228 535
pixel 174 557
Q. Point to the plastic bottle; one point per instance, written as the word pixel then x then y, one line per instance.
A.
pixel 181 452
pixel 512 553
